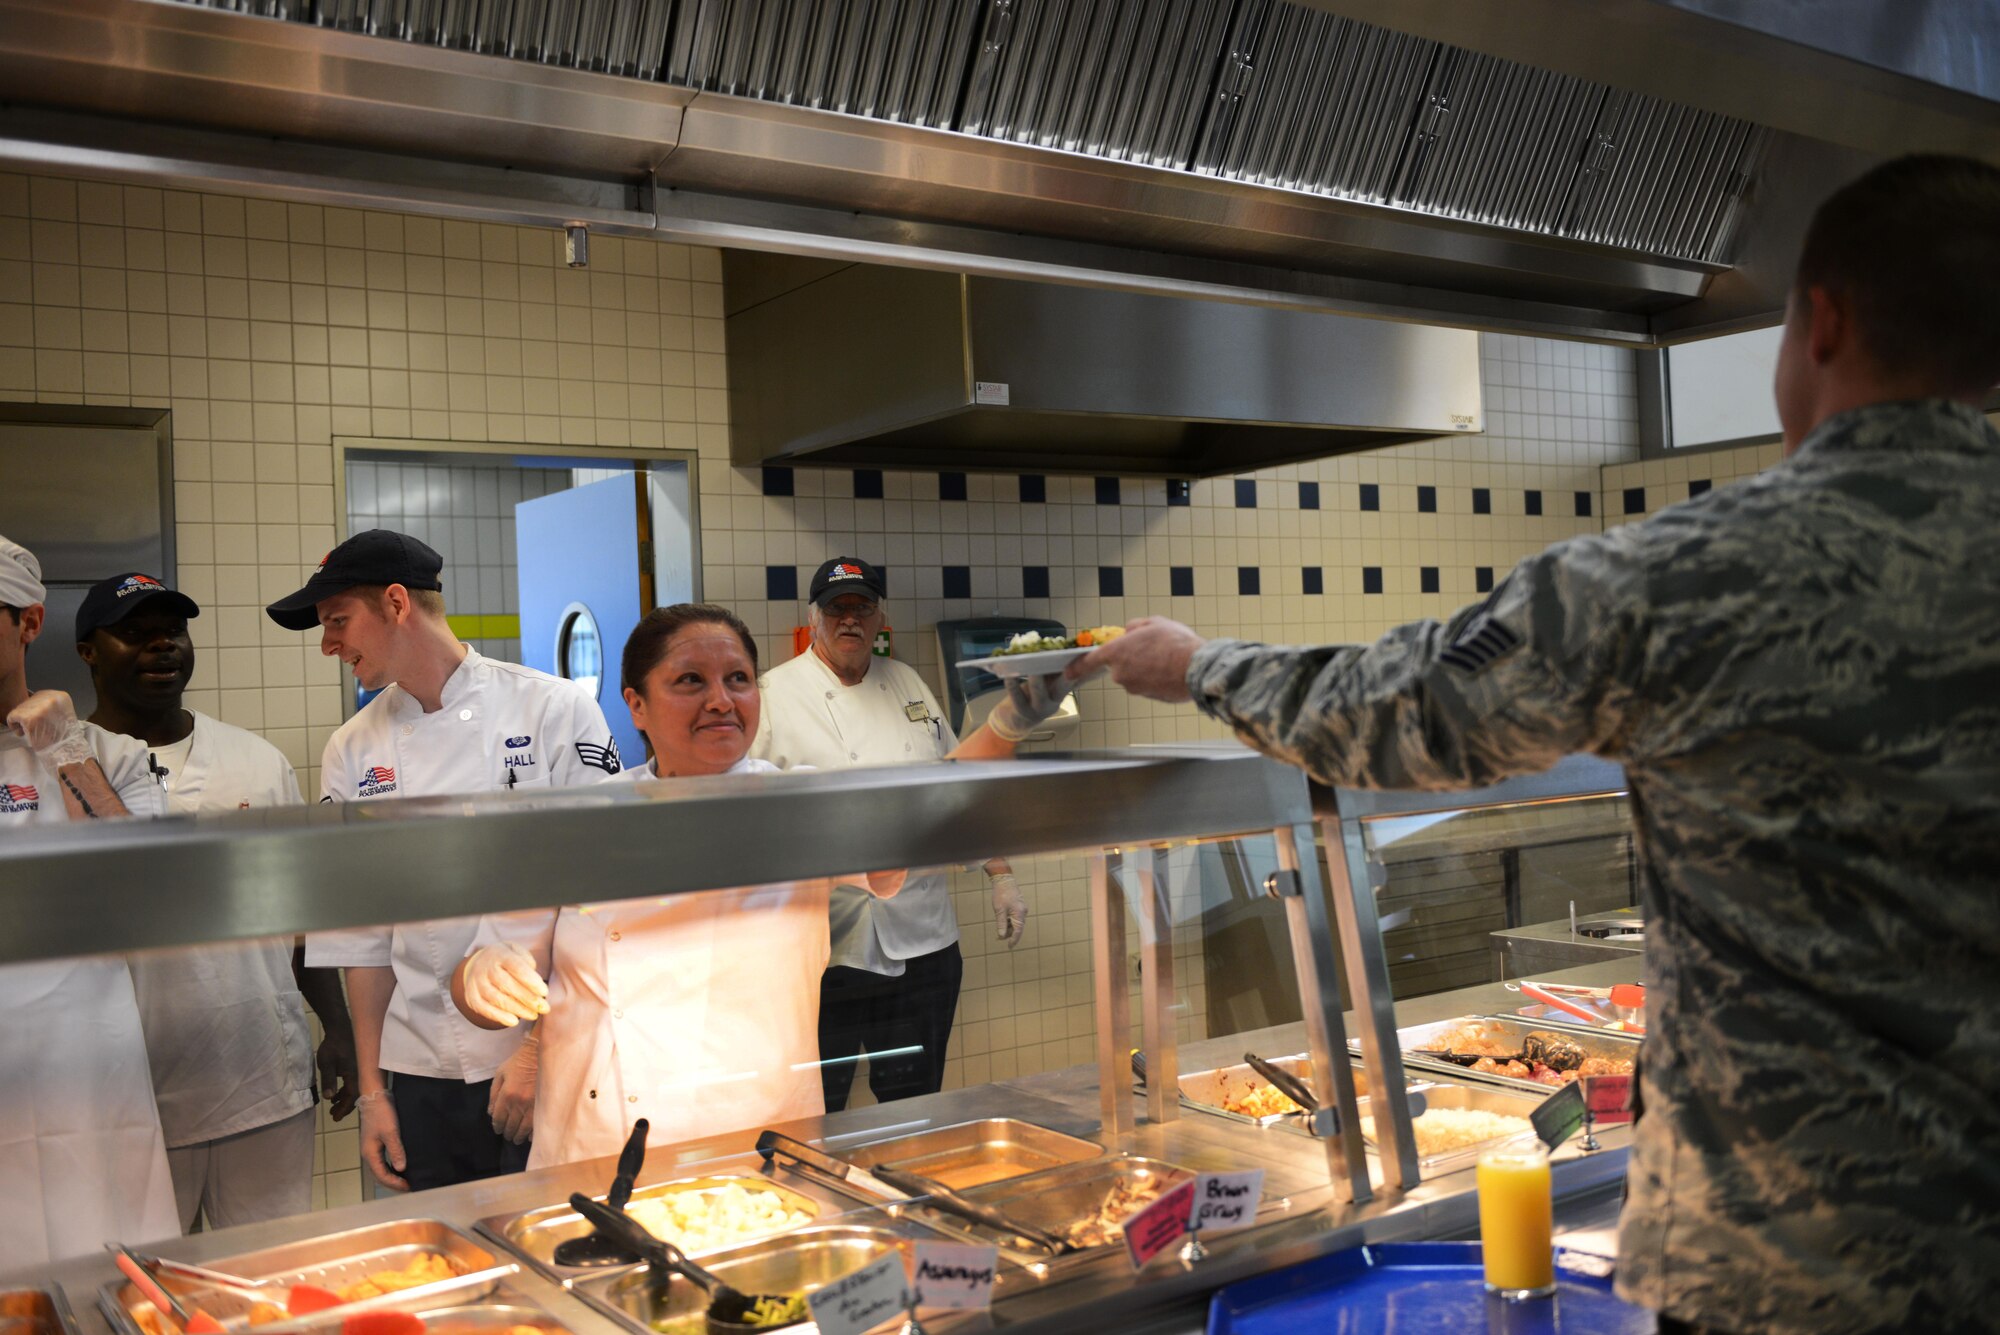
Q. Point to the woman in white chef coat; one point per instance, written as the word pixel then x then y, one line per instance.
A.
pixel 81 1155
pixel 697 1012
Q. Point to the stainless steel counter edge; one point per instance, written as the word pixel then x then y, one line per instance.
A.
pixel 1106 1293
pixel 99 888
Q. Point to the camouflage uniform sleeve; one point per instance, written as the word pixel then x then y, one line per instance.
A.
pixel 1548 665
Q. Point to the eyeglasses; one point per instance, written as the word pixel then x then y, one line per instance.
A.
pixel 860 609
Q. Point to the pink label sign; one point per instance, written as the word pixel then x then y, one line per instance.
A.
pixel 1159 1225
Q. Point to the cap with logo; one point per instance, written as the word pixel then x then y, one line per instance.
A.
pixel 20 576
pixel 110 601
pixel 375 557
pixel 846 574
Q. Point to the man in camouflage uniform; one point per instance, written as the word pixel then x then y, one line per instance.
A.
pixel 1801 675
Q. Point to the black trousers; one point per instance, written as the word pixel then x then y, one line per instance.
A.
pixel 907 1020
pixel 448 1137
pixel 1666 1325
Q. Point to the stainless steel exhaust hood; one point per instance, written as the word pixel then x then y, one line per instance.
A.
pixel 867 365
pixel 1630 171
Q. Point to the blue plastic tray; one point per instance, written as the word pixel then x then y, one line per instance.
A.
pixel 1415 1288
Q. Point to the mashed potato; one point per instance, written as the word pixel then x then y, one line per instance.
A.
pixel 702 1219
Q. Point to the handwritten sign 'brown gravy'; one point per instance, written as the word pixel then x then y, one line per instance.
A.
pixel 1223 1201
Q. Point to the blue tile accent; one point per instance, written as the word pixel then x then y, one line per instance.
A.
pixel 951 487
pixel 1427 500
pixel 1698 487
pixel 958 581
pixel 1308 495
pixel 1034 489
pixel 1111 581
pixel 1180 581
pixel 1315 579
pixel 1482 501
pixel 867 484
pixel 1371 579
pixel 1248 580
pixel 1107 491
pixel 1532 502
pixel 1583 505
pixel 1180 491
pixel 1635 500
pixel 777 481
pixel 1246 493
pixel 1427 578
pixel 1482 579
pixel 1034 581
pixel 1371 496
pixel 781 583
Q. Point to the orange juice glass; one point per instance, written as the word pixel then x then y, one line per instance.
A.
pixel 1516 1221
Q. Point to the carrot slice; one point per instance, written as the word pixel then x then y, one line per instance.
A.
pixel 305 1299
pixel 201 1323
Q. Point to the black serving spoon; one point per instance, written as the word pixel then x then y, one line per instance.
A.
pixel 729 1309
pixel 594 1249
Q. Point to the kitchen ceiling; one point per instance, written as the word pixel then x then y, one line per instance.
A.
pixel 1294 155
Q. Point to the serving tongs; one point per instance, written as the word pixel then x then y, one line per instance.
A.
pixel 1284 1082
pixel 1550 1050
pixel 728 1308
pixel 597 1248
pixel 900 1186
pixel 295 1299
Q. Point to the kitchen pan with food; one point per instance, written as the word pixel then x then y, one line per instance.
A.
pixel 729 1310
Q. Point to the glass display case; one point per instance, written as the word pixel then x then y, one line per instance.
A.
pixel 1180 923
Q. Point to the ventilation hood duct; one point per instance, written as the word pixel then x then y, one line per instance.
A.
pixel 873 366
pixel 1626 171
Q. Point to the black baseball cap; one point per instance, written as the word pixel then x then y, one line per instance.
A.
pixel 375 557
pixel 110 601
pixel 847 574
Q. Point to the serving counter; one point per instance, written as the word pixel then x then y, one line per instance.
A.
pixel 1133 822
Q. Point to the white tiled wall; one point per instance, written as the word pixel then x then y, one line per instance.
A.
pixel 1637 489
pixel 271 328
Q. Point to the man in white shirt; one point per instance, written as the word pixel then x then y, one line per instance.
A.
pixel 81 1157
pixel 225 1024
pixel 447 721
pixel 891 989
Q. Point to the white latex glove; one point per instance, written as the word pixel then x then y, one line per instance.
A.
pixel 501 984
pixel 1010 909
pixel 382 1140
pixel 511 1105
pixel 1030 702
pixel 47 722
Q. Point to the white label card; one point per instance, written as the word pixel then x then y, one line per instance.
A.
pixel 872 1295
pixel 997 393
pixel 1223 1201
pixel 950 1274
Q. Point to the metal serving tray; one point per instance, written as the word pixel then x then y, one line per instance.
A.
pixel 1509 1029
pixel 35 1312
pixel 335 1261
pixel 1060 1197
pixel 491 1318
pixel 974 1154
pixel 1468 1098
pixel 1204 1091
pixel 533 1234
pixel 799 1262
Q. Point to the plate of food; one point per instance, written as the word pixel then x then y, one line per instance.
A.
pixel 1032 654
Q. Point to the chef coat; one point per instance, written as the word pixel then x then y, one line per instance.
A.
pixel 697 1012
pixel 499 725
pixel 81 1158
pixel 890 718
pixel 225 1024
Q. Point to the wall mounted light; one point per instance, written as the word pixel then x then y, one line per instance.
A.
pixel 576 246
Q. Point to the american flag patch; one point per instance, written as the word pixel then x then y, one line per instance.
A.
pixel 375 776
pixel 19 792
pixel 1483 642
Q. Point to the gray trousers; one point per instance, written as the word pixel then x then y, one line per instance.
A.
pixel 263 1173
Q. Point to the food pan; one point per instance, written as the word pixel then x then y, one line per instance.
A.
pixel 1206 1091
pixel 1465 1098
pixel 496 1318
pixel 1062 1198
pixel 334 1261
pixel 798 1262
pixel 1510 1030
pixel 534 1233
pixel 973 1154
pixel 35 1312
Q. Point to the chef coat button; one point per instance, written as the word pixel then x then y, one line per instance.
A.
pixel 614 936
pixel 829 695
pixel 906 746
pixel 593 1093
pixel 631 1098
pixel 409 728
pixel 618 1015
pixel 464 715
pixel 853 755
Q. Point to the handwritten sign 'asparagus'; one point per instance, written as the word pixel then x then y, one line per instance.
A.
pixel 951 1275
pixel 1223 1201
pixel 863 1300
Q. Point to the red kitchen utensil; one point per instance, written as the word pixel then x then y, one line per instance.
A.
pixel 1551 999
